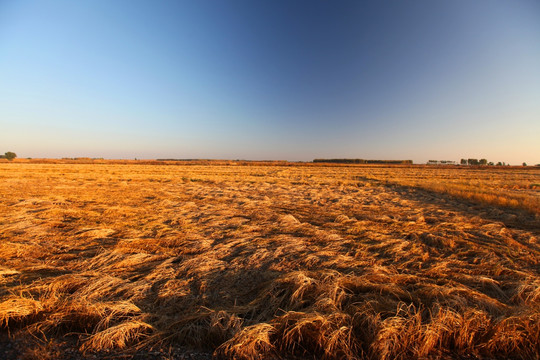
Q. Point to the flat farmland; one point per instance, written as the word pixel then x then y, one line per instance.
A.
pixel 269 261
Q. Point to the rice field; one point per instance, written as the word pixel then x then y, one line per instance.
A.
pixel 268 261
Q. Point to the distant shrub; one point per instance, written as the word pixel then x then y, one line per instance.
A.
pixel 10 155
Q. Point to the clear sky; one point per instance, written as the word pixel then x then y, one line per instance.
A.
pixel 293 80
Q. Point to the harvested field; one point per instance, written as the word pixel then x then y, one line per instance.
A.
pixel 269 262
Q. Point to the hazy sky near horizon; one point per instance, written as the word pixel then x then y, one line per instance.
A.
pixel 293 80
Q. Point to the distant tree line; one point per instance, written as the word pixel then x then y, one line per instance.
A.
pixel 441 162
pixel 8 155
pixel 82 158
pixel 362 161
pixel 484 162
pixel 474 162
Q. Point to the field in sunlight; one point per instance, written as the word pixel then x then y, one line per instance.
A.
pixel 269 261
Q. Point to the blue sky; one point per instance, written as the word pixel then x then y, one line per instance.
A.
pixel 291 80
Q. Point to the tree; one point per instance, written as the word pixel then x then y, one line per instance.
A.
pixel 10 155
pixel 463 161
pixel 473 161
pixel 524 164
pixel 483 162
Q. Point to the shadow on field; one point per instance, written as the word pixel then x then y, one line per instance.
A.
pixel 511 217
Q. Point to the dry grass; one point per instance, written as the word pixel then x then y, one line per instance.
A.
pixel 516 188
pixel 268 262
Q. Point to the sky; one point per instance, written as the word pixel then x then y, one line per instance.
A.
pixel 288 80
